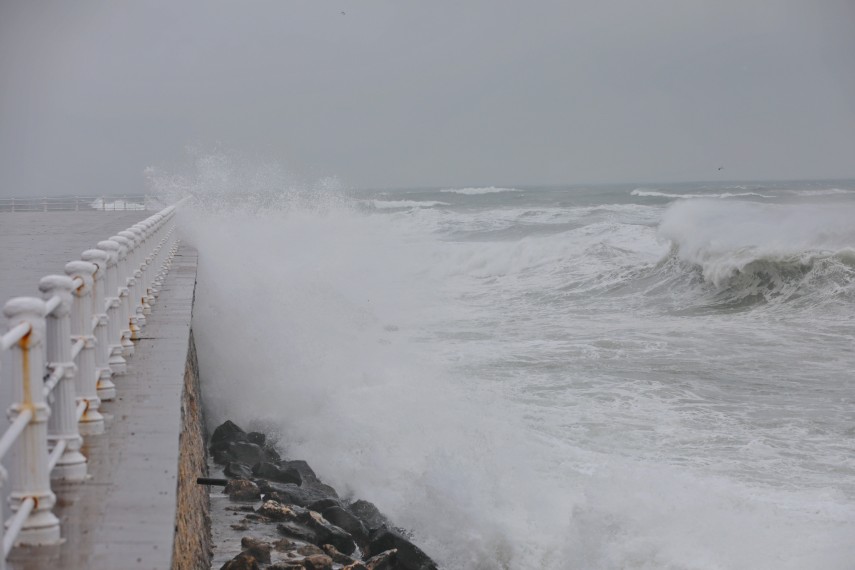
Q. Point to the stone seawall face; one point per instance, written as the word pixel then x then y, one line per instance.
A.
pixel 192 547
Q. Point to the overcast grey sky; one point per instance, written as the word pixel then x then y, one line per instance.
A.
pixel 405 93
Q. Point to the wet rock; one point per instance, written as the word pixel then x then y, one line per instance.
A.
pixel 237 470
pixel 369 514
pixel 355 566
pixel 274 472
pixel 244 452
pixel 300 532
pixel 324 504
pixel 302 468
pixel 317 562
pixel 288 493
pixel 309 550
pixel 256 437
pixel 258 548
pixel 386 560
pixel 327 532
pixel 410 556
pixel 348 521
pixel 276 511
pixel 240 526
pixel 227 431
pixel 287 565
pixel 242 490
pixel 337 556
pixel 283 544
pixel 243 561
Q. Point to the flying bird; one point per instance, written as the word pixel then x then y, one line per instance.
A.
pixel 721 168
pixel 343 12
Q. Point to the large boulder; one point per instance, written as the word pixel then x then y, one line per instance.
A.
pixel 227 431
pixel 237 470
pixel 346 520
pixel 369 514
pixel 243 561
pixel 289 493
pixel 384 561
pixel 328 532
pixel 258 548
pixel 274 472
pixel 409 557
pixel 242 490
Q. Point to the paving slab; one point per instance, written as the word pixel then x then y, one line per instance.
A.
pixel 123 517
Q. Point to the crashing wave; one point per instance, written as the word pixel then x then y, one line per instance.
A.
pixel 478 191
pixel 655 194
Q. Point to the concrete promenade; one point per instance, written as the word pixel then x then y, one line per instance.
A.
pixel 124 516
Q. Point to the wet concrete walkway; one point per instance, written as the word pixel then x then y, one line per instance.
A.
pixel 123 517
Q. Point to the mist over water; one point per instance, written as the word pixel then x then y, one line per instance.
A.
pixel 546 378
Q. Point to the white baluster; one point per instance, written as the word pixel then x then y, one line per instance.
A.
pixel 62 425
pixel 106 388
pixel 112 305
pixel 31 478
pixel 86 380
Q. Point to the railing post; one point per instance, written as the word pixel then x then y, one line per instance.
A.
pixel 124 291
pixel 62 425
pixel 106 388
pixel 133 288
pixel 86 380
pixel 139 266
pixel 145 226
pixel 31 478
pixel 111 290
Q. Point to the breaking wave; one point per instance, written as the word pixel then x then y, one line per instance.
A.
pixel 393 204
pixel 656 194
pixel 477 191
pixel 765 252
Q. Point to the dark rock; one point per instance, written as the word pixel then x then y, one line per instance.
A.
pixel 369 514
pixel 302 467
pixel 317 562
pixel 299 531
pixel 355 566
pixel 337 556
pixel 348 521
pixel 227 431
pixel 323 504
pixel 240 526
pixel 327 532
pixel 272 455
pixel 256 437
pixel 410 556
pixel 242 490
pixel 288 493
pixel 237 470
pixel 386 560
pixel 244 452
pixel 273 472
pixel 258 548
pixel 243 561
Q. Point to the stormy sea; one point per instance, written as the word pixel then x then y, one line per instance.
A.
pixel 536 378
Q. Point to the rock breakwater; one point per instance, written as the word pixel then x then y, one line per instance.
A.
pixel 290 519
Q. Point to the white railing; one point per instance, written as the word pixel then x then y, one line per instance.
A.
pixel 123 202
pixel 64 350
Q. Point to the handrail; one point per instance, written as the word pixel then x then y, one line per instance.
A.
pixel 68 346
pixel 122 202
